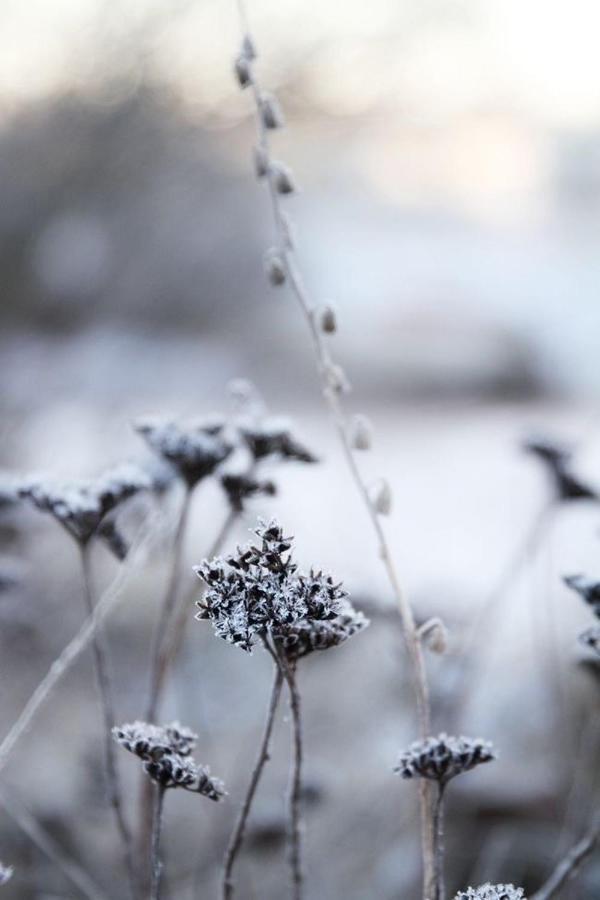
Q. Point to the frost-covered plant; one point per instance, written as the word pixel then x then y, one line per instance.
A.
pixel 492 892
pixel 165 752
pixel 194 451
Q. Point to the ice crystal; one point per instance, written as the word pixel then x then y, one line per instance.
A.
pixel 259 592
pixel 442 758
pixel 194 452
pixel 492 892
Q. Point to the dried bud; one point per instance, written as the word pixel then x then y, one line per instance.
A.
pixel 434 634
pixel 327 319
pixel 361 435
pixel 336 379
pixel 261 162
pixel 248 48
pixel 282 178
pixel 270 111
pixel 243 71
pixel 275 267
pixel 381 497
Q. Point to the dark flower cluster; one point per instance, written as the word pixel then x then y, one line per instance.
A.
pixel 166 754
pixel 81 507
pixel 260 592
pixel 194 452
pixel 442 758
pixel 492 892
pixel 558 463
pixel 240 486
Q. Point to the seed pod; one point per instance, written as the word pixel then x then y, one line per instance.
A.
pixel 381 497
pixel 261 162
pixel 270 111
pixel 275 267
pixel 327 319
pixel 282 178
pixel 361 436
pixel 243 71
pixel 434 635
pixel 336 379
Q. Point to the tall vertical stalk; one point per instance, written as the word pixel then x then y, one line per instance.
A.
pixel 332 396
pixel 439 892
pixel 155 863
pixel 103 683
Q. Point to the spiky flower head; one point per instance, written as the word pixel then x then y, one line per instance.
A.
pixel 557 460
pixel 492 892
pixel 6 873
pixel 83 507
pixel 166 754
pixel 259 592
pixel 194 452
pixel 272 436
pixel 443 757
pixel 308 635
pixel 587 588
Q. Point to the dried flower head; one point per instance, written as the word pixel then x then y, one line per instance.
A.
pixel 166 754
pixel 301 638
pixel 275 267
pixel 587 588
pixel 492 892
pixel 558 463
pixel 591 638
pixel 272 437
pixel 240 486
pixel 194 452
pixel 81 507
pixel 442 758
pixel 259 592
pixel 270 111
pixel 6 873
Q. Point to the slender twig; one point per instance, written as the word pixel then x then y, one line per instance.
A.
pixel 105 694
pixel 109 600
pixel 46 843
pixel 237 837
pixel 340 418
pixel 155 863
pixel 439 892
pixel 159 658
pixel 570 864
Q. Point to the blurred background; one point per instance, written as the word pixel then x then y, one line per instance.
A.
pixel 448 155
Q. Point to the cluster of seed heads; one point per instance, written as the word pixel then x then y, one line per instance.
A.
pixel 557 460
pixel 259 592
pixel 492 892
pixel 166 754
pixel 442 758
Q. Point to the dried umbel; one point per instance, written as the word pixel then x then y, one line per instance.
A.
pixel 558 463
pixel 195 451
pixel 492 892
pixel 591 638
pixel 442 758
pixel 166 754
pixel 240 486
pixel 6 873
pixel 272 437
pixel 259 592
pixel 588 589
pixel 81 507
pixel 304 637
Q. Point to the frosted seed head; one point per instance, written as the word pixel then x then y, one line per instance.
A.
pixel 492 892
pixel 361 433
pixel 275 267
pixel 443 757
pixel 380 495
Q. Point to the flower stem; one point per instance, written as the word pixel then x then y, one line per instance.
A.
pixel 439 892
pixel 237 837
pixel 155 863
pixel 103 682
pixel 571 863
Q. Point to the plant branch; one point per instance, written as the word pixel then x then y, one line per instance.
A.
pixel 570 864
pixel 237 837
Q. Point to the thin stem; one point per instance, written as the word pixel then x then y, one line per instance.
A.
pixel 332 397
pixel 570 864
pixel 105 694
pixel 439 892
pixel 159 656
pixel 155 863
pixel 46 843
pixel 63 663
pixel 237 837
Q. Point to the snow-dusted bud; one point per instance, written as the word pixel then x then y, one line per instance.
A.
pixel 434 634
pixel 270 111
pixel 243 71
pixel 275 267
pixel 282 178
pixel 361 434
pixel 261 162
pixel 337 380
pixel 326 317
pixel 380 495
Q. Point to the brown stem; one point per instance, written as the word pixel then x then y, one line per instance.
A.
pixel 439 892
pixel 237 837
pixel 103 683
pixel 568 867
pixel 155 863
